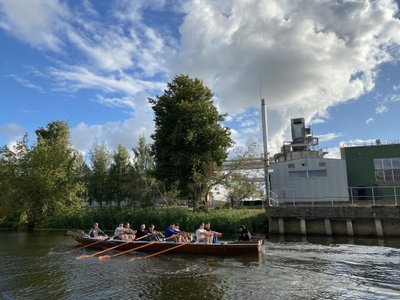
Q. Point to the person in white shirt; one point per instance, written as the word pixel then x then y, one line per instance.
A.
pixel 203 235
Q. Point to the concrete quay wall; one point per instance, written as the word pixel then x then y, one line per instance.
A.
pixel 377 221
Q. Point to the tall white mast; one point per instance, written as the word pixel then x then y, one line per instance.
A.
pixel 265 144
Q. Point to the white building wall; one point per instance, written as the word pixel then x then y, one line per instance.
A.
pixel 310 179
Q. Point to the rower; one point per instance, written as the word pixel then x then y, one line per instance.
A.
pixel 119 232
pixel 153 234
pixel 171 231
pixel 141 232
pixel 203 235
pixel 130 233
pixel 216 234
pixel 96 232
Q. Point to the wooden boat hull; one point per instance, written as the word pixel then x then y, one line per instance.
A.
pixel 223 249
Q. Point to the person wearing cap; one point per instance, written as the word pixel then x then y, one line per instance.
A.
pixel 245 235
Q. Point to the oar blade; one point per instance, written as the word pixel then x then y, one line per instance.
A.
pixel 136 258
pixel 82 256
pixel 105 257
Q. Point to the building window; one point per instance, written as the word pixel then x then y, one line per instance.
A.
pixel 298 174
pixel 290 166
pixel 307 174
pixel 322 164
pixel 387 170
pixel 317 173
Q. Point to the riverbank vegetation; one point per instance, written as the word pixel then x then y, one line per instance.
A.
pixel 223 220
pixel 48 183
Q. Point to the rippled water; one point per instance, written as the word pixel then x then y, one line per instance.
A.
pixel 33 266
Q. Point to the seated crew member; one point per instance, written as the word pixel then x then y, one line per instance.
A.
pixel 185 236
pixel 96 232
pixel 119 232
pixel 141 232
pixel 203 235
pixel 130 233
pixel 216 234
pixel 245 235
pixel 153 234
pixel 171 231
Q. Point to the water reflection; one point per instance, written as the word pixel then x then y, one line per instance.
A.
pixel 34 266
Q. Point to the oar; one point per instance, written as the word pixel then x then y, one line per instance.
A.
pixel 97 253
pixel 104 257
pixel 88 245
pixel 157 253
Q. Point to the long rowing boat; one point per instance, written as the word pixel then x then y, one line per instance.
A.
pixel 223 248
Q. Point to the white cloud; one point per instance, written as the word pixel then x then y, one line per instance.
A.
pixel 333 153
pixel 380 109
pixel 12 130
pixel 126 132
pixel 369 121
pixel 26 83
pixel 329 136
pixel 35 22
pixel 12 133
pixel 72 79
pixel 308 61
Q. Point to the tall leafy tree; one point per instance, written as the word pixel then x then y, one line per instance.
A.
pixel 143 179
pixel 119 175
pixel 54 186
pixel 97 181
pixel 42 181
pixel 189 138
pixel 14 206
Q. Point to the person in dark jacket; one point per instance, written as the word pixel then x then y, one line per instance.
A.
pixel 141 232
pixel 245 235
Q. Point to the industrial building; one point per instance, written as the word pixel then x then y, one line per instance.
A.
pixel 373 172
pixel 301 174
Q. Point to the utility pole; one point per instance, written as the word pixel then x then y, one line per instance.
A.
pixel 265 144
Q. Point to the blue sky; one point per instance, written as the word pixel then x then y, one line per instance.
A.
pixel 95 63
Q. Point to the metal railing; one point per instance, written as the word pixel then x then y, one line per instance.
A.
pixel 358 196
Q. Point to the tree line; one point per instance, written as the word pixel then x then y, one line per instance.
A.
pixel 50 178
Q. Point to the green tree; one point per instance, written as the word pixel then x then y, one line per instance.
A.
pixel 144 184
pixel 119 176
pixel 41 182
pixel 97 181
pixel 13 165
pixel 188 138
pixel 242 178
pixel 53 185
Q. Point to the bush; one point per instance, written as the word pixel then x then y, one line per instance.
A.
pixel 226 221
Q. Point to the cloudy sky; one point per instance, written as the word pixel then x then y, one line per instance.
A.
pixel 95 63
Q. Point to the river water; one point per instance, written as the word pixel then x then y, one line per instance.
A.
pixel 37 265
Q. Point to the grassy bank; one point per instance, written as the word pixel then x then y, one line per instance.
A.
pixel 223 220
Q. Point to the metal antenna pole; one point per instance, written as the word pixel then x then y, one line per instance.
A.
pixel 265 144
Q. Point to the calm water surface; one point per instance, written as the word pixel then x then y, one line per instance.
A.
pixel 33 266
